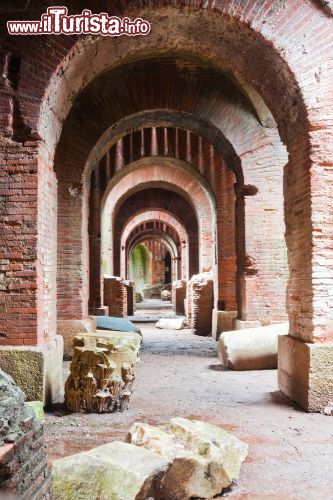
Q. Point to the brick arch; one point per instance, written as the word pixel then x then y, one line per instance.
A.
pixel 167 204
pixel 158 199
pixel 237 34
pixel 171 221
pixel 162 173
pixel 261 218
pixel 154 241
pixel 287 110
pixel 105 53
pixel 164 239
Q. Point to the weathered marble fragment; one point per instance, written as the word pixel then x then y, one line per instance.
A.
pixel 117 471
pixel 102 371
pixel 204 458
pixel 171 323
pixel 252 348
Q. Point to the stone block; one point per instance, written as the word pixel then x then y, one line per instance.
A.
pixel 102 371
pixel 166 295
pixel 305 372
pixel 252 348
pixel 37 370
pixel 171 323
pixel 117 471
pixel 68 329
pixel 116 324
pixel 204 458
pixel 222 321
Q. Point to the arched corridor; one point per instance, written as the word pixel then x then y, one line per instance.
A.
pixel 183 175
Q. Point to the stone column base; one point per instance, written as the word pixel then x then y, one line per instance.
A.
pixel 99 311
pixel 37 370
pixel 305 372
pixel 68 329
pixel 222 321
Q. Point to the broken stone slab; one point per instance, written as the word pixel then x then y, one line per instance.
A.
pixel 252 348
pixel 165 295
pixel 102 371
pixel 117 471
pixel 116 324
pixel 171 323
pixel 328 410
pixel 204 458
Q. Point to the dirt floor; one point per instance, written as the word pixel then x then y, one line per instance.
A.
pixel 290 452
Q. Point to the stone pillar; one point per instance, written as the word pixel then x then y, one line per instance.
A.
pixel 72 255
pixel 305 356
pixel 178 295
pixel 200 295
pixel 28 267
pixel 261 253
pixel 94 230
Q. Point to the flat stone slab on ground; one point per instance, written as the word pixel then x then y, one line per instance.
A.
pixel 204 458
pixel 116 324
pixel 171 323
pixel 117 471
pixel 252 348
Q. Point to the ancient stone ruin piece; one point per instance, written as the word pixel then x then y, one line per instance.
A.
pixel 165 295
pixel 204 458
pixel 152 291
pixel 116 324
pixel 252 348
pixel 171 323
pixel 102 371
pixel 117 471
pixel 328 410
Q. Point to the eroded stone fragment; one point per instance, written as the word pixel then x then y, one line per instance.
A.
pixel 252 348
pixel 171 323
pixel 102 371
pixel 204 458
pixel 11 408
pixel 117 471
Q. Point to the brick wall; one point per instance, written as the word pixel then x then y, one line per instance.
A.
pixel 115 296
pixel 118 296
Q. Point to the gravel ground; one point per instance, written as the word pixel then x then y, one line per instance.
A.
pixel 290 452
